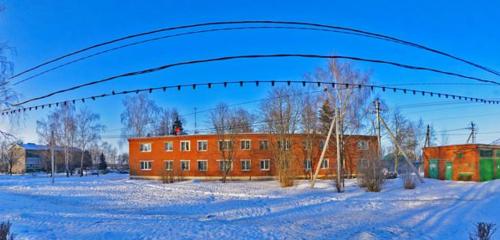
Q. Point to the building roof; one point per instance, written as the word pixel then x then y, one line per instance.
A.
pixel 37 147
pixel 473 145
pixel 213 134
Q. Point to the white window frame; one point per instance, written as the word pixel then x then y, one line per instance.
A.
pixel 149 162
pixel 198 145
pixel 267 144
pixel 188 166
pixel 145 144
pixel 308 164
pixel 268 165
pixel 249 165
pixel 225 140
pixel 219 165
pixel 242 141
pixel 363 145
pixel 171 165
pixel 198 165
pixel 327 163
pixel 171 144
pixel 188 145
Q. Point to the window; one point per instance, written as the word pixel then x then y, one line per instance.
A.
pixel 185 146
pixel 145 147
pixel 169 165
pixel 263 145
pixel 146 165
pixel 485 153
pixel 185 165
pixel 324 163
pixel 284 146
pixel 307 145
pixel 308 165
pixel 321 144
pixel 362 145
pixel 225 145
pixel 202 165
pixel 202 145
pixel 225 165
pixel 364 163
pixel 265 165
pixel 460 155
pixel 169 146
pixel 245 165
pixel 245 144
pixel 497 152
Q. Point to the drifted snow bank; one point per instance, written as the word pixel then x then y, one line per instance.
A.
pixel 114 207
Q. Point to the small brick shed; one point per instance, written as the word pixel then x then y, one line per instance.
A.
pixel 465 162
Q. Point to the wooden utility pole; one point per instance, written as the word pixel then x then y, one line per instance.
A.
pixel 401 150
pixel 323 151
pixel 337 133
pixel 379 142
pixel 52 160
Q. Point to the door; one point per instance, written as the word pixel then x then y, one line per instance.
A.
pixel 448 171
pixel 498 168
pixel 433 168
pixel 486 170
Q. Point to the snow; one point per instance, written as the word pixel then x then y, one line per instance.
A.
pixel 114 207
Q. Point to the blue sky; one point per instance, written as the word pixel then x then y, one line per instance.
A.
pixel 40 30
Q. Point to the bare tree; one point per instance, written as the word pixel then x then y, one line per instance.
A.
pixel 224 124
pixel 310 127
pixel 282 115
pixel 88 131
pixel 110 152
pixel 8 95
pixel 350 100
pixel 139 116
pixel 68 133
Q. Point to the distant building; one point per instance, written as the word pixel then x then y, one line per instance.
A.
pixel 466 162
pixel 199 156
pixel 32 157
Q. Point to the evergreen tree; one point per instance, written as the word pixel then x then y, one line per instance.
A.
pixel 325 116
pixel 102 162
pixel 177 127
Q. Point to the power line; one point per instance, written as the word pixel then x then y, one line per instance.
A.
pixel 348 29
pixel 166 37
pixel 257 83
pixel 227 58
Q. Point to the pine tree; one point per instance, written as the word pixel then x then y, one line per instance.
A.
pixel 177 127
pixel 102 162
pixel 325 116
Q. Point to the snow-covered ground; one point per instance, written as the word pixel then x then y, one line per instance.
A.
pixel 114 207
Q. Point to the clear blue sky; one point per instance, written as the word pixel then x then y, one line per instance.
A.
pixel 42 29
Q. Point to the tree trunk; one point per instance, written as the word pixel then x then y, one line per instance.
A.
pixel 81 162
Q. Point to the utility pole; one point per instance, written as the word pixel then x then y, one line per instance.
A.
pixel 52 161
pixel 337 133
pixel 323 151
pixel 472 135
pixel 400 149
pixel 379 148
pixel 428 136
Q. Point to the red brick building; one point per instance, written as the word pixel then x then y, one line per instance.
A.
pixel 467 162
pixel 199 156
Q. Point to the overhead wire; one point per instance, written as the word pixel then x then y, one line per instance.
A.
pixel 348 29
pixel 255 56
pixel 256 83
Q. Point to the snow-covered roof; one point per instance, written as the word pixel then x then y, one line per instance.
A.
pixel 37 147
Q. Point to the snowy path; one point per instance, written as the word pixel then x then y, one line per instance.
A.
pixel 113 207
